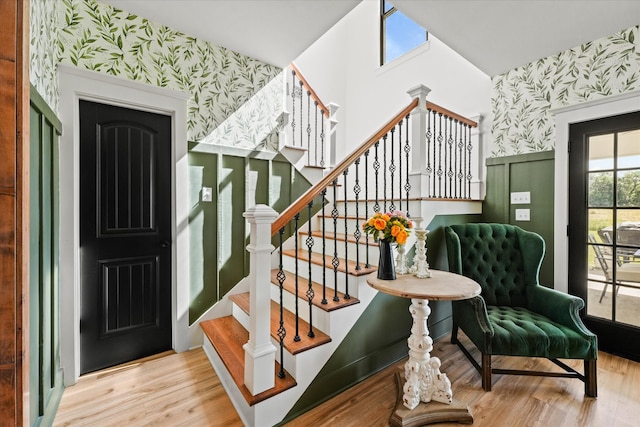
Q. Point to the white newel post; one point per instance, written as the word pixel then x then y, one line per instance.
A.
pixel 477 156
pixel 331 134
pixel 259 352
pixel 418 177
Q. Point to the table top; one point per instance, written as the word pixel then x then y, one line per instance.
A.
pixel 442 285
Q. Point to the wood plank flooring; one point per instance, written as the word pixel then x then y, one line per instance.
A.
pixel 182 389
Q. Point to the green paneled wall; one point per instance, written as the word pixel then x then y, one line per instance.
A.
pixel 379 337
pixel 532 172
pixel 218 231
pixel 45 375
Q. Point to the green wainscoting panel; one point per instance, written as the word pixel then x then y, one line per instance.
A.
pixel 533 172
pixel 203 232
pixel 218 232
pixel 45 374
pixel 379 337
pixel 232 231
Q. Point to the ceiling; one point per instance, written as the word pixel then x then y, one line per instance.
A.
pixel 497 36
pixel 273 31
pixel 494 35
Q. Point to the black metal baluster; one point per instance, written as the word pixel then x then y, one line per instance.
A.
pixel 459 128
pixel 400 163
pixel 392 169
pixel 384 173
pixel 293 108
pixel 356 232
pixel 469 149
pixel 315 133
pixel 309 127
pixel 322 138
pixel 335 261
pixel 366 203
pixel 449 193
pixel 282 332
pixel 440 172
pixel 407 151
pixel 310 292
pixel 376 168
pixel 323 193
pixel 301 112
pixel 296 338
pixel 429 168
pixel 433 126
pixel 346 238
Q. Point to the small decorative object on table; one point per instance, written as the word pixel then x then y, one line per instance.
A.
pixel 420 267
pixel 388 228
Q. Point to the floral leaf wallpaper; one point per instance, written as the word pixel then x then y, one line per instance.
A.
pixel 522 98
pixel 43 46
pixel 99 37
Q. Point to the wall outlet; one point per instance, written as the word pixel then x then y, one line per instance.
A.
pixel 521 198
pixel 523 215
pixel 207 194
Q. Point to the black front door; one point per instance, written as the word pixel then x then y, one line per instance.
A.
pixel 604 229
pixel 125 234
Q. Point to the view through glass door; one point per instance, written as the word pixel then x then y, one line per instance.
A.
pixel 604 229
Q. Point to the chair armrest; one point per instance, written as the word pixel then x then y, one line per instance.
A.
pixel 559 307
pixel 471 316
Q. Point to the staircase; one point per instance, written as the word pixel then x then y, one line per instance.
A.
pixel 278 327
pixel 306 347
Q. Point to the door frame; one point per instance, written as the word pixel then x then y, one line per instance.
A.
pixel 565 116
pixel 76 84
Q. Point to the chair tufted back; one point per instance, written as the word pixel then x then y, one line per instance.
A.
pixel 504 259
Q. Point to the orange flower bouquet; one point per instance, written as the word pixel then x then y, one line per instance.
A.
pixel 393 227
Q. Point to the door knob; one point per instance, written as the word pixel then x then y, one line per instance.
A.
pixel 164 244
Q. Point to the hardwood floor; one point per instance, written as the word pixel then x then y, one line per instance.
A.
pixel 182 389
pixel 166 390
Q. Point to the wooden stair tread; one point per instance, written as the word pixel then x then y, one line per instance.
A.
pixel 228 336
pixel 330 235
pixel 293 347
pixel 317 259
pixel 289 285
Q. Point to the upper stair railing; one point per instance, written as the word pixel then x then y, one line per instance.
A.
pixel 424 151
pixel 311 123
pixel 449 153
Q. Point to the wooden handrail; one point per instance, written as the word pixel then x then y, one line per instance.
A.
pixel 438 109
pixel 312 92
pixel 307 197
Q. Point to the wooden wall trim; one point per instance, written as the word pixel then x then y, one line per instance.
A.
pixel 14 140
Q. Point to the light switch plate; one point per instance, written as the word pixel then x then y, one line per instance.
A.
pixel 523 215
pixel 520 198
pixel 207 194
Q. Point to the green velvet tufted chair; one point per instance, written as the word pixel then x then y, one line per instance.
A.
pixel 514 315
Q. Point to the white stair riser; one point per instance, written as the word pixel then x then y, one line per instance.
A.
pixel 316 276
pixel 351 251
pixel 290 364
pixel 352 224
pixel 321 318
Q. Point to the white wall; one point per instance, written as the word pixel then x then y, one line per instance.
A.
pixel 343 67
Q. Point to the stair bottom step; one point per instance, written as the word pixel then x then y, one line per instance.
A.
pixel 228 336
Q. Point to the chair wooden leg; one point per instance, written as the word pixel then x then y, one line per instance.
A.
pixel 486 372
pixel 591 378
pixel 454 334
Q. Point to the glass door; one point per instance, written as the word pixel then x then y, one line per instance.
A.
pixel 604 229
